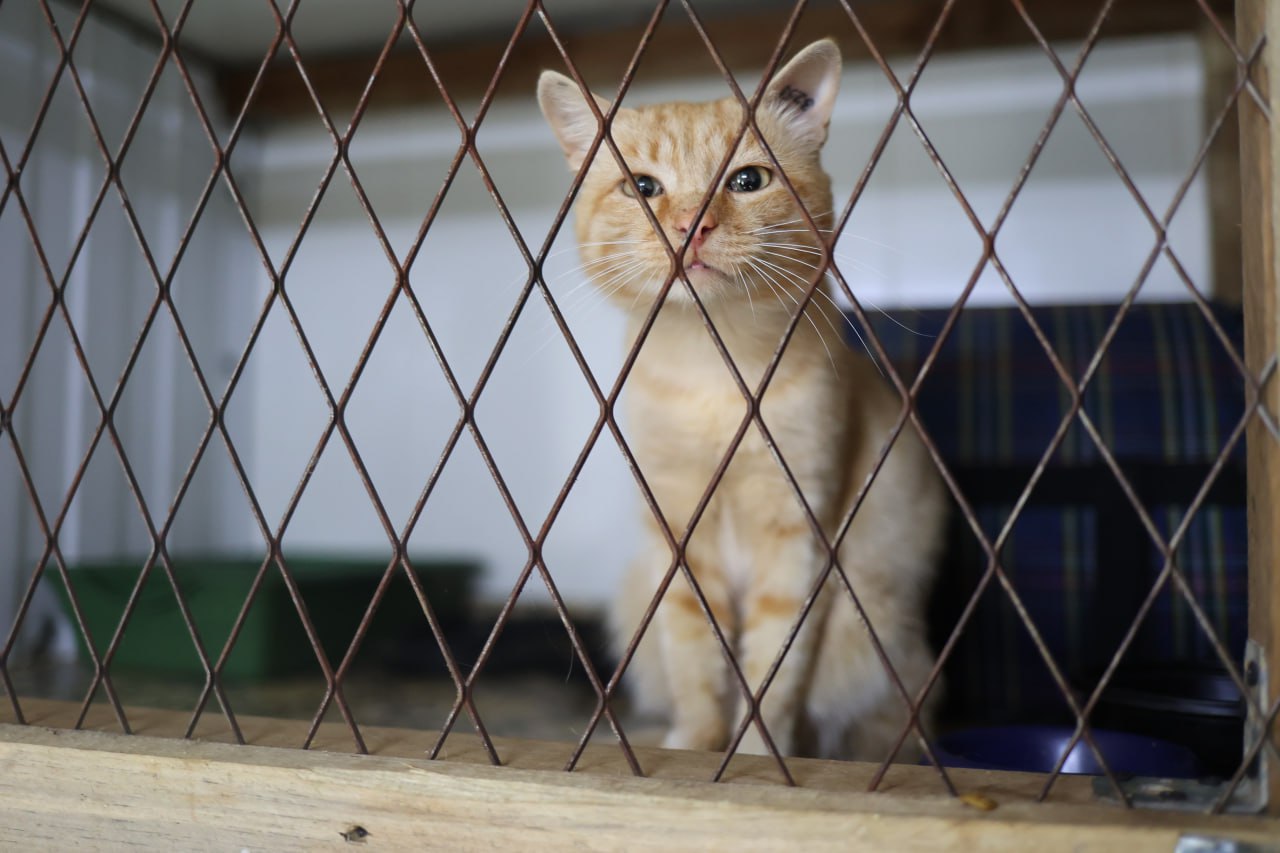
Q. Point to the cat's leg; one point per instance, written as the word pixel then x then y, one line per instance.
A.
pixel 878 728
pixel 854 707
pixel 786 567
pixel 693 660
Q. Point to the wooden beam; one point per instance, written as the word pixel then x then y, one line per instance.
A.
pixel 746 40
pixel 1259 173
pixel 61 788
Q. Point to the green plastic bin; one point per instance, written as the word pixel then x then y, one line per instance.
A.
pixel 272 641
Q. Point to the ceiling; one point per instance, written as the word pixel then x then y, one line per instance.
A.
pixel 238 32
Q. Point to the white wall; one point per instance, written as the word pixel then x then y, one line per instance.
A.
pixel 534 413
pixel 1074 235
pixel 109 292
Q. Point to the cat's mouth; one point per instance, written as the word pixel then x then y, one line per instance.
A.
pixel 695 262
pixel 701 270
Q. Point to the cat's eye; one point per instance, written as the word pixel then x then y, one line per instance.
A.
pixel 645 185
pixel 749 179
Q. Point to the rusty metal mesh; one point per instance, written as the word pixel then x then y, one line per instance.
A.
pixel 534 249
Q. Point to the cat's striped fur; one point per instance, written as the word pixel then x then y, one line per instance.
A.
pixel 753 551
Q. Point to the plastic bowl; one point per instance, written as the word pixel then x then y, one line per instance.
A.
pixel 1037 748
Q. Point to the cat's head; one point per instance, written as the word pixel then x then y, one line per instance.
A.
pixel 752 238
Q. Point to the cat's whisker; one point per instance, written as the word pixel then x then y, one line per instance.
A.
pixel 640 291
pixel 737 271
pixel 861 299
pixel 606 243
pixel 803 285
pixel 619 263
pixel 780 228
pixel 641 281
pixel 849 234
pixel 820 290
pixel 767 282
pixel 803 262
pixel 859 265
pixel 793 226
pixel 871 242
pixel 592 267
pixel 604 266
pixel 615 254
pixel 622 261
pixel 565 300
pixel 601 277
pixel 771 232
pixel 594 262
pixel 505 289
pixel 797 220
pixel 767 248
pixel 837 258
pixel 607 283
pixel 822 339
pixel 894 320
pixel 796 247
pixel 584 307
pixel 568 307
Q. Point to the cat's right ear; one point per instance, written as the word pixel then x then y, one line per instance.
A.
pixel 803 92
pixel 567 112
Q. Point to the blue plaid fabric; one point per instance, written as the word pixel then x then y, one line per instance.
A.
pixel 1164 399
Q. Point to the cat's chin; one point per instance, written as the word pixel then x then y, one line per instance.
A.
pixel 709 275
pixel 702 271
pixel 710 282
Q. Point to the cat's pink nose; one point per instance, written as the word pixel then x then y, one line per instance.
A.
pixel 685 221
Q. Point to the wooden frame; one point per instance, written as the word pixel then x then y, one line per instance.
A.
pixel 1260 232
pixel 93 788
pixel 59 787
pixel 746 39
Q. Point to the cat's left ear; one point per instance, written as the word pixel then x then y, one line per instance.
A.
pixel 567 112
pixel 804 91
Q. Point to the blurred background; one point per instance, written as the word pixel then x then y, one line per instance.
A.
pixel 1075 236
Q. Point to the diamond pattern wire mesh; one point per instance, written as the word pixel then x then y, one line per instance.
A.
pixel 534 532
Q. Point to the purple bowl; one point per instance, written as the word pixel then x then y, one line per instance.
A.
pixel 1037 748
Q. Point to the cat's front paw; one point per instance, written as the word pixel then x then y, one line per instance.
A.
pixel 752 743
pixel 686 738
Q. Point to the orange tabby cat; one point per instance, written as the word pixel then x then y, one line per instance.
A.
pixel 753 550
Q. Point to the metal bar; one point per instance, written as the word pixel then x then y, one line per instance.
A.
pixel 51 514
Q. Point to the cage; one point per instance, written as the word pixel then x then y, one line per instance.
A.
pixel 311 426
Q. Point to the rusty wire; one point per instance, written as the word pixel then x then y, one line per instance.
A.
pixel 534 533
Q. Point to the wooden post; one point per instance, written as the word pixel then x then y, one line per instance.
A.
pixel 1259 161
pixel 1222 169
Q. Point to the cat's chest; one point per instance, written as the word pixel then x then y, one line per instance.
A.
pixel 680 360
pixel 682 393
pixel 683 420
pixel 685 408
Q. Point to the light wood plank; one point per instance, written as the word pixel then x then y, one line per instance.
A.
pixel 1260 157
pixel 603 756
pixel 97 790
